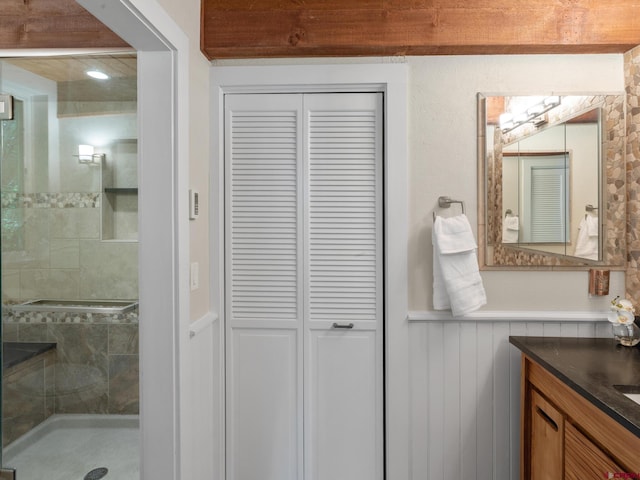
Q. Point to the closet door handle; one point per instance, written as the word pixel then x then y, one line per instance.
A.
pixel 346 326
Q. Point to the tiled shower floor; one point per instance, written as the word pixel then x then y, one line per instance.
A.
pixel 67 447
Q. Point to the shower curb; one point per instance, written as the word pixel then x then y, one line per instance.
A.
pixel 68 421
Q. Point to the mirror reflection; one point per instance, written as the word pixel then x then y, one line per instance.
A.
pixel 552 195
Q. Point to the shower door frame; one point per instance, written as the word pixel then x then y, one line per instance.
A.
pixel 162 50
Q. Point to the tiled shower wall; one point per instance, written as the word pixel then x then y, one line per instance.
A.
pixel 96 366
pixel 27 395
pixel 63 256
pixel 96 359
pixel 56 252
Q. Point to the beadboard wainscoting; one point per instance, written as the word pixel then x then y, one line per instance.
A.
pixel 465 388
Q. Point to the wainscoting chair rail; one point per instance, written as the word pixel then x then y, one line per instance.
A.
pixel 509 316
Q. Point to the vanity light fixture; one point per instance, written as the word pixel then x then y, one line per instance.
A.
pixel 87 156
pixel 509 121
pixel 506 122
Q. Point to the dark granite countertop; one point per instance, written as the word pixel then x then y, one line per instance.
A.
pixel 14 353
pixel 591 367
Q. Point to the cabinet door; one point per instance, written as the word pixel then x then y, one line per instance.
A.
pixel 547 438
pixel 583 459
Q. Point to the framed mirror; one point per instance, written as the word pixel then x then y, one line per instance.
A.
pixel 552 181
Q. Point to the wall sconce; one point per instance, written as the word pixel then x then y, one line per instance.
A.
pixel 509 121
pixel 87 156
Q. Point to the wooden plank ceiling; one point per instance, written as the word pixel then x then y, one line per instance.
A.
pixel 52 24
pixel 70 74
pixel 73 68
pixel 295 28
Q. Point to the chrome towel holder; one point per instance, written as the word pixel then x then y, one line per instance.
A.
pixel 445 202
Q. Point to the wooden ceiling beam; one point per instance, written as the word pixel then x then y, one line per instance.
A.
pixel 52 24
pixel 293 28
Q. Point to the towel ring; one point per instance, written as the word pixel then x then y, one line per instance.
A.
pixel 445 202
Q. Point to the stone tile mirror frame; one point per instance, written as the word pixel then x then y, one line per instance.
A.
pixel 495 255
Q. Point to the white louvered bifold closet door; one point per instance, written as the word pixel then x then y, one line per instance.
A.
pixel 304 286
pixel 343 272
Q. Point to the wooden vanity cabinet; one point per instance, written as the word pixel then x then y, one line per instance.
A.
pixel 583 459
pixel 564 436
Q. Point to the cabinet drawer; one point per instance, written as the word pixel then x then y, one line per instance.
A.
pixel 583 459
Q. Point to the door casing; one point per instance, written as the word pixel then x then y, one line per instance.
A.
pixel 391 80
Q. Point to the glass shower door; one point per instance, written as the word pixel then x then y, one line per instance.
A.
pixel 68 224
pixel 9 128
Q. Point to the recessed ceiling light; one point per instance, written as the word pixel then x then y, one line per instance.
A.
pixel 98 75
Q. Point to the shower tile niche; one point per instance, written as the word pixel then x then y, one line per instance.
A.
pixel 120 191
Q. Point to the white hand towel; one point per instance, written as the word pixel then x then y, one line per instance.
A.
pixel 510 229
pixel 440 295
pixel 586 245
pixel 454 234
pixel 592 225
pixel 457 283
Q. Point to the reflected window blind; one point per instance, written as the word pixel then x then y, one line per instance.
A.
pixel 548 212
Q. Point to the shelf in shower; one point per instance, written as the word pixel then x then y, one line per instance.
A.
pixel 78 306
pixel 122 190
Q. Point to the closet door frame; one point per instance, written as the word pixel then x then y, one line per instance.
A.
pixel 391 80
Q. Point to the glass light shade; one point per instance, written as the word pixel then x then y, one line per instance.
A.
pixel 552 101
pixel 535 110
pixel 85 152
pixel 506 121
